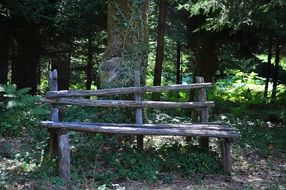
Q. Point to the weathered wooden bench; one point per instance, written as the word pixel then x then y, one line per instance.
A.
pixel 59 142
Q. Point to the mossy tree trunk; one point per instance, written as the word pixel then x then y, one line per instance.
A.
pixel 127 49
pixel 127 43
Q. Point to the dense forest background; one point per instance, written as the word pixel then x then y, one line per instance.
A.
pixel 237 45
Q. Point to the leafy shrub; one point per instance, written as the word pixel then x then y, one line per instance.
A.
pixel 240 87
pixel 19 111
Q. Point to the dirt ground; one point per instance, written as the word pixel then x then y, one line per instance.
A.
pixel 251 170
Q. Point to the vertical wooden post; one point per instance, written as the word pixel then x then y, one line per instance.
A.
pixel 59 142
pixel 64 156
pixel 226 155
pixel 203 112
pixel 138 111
pixel 53 142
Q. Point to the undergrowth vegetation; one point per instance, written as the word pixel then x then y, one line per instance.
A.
pixel 105 160
pixel 19 111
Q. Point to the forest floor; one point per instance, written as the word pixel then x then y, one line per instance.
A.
pixel 250 171
pixel 253 168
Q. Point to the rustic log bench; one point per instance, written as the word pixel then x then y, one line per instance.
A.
pixel 59 142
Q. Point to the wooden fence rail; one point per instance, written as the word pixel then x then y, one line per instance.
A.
pixel 128 103
pixel 128 90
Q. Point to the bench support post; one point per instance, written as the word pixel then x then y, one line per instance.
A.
pixel 226 155
pixel 138 111
pixel 64 156
pixel 203 113
pixel 59 141
pixel 53 142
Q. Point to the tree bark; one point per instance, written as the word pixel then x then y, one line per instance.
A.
pixel 276 70
pixel 127 41
pixel 89 64
pixel 268 72
pixel 206 63
pixel 61 62
pixel 4 55
pixel 178 64
pixel 127 50
pixel 160 42
pixel 27 58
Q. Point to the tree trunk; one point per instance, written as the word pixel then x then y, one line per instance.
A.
pixel 276 69
pixel 206 63
pixel 27 59
pixel 127 41
pixel 39 74
pixel 89 64
pixel 268 72
pixel 61 62
pixel 160 42
pixel 13 59
pixel 178 64
pixel 127 48
pixel 4 55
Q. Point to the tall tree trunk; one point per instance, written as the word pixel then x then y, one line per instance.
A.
pixel 127 50
pixel 4 55
pixel 178 64
pixel 89 64
pixel 268 72
pixel 61 62
pixel 160 42
pixel 127 41
pixel 28 57
pixel 206 63
pixel 39 74
pixel 276 70
pixel 13 56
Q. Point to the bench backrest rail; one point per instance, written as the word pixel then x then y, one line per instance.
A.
pixel 128 103
pixel 126 90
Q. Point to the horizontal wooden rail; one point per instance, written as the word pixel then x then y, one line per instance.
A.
pixel 127 90
pixel 207 130
pixel 209 126
pixel 128 103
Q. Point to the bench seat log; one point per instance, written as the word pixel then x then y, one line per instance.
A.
pixel 202 130
pixel 128 103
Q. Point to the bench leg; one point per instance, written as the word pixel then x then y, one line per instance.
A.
pixel 226 155
pixel 64 156
pixel 53 143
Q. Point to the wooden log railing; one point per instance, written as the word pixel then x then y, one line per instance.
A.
pixel 59 142
pixel 127 90
pixel 202 130
pixel 128 103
